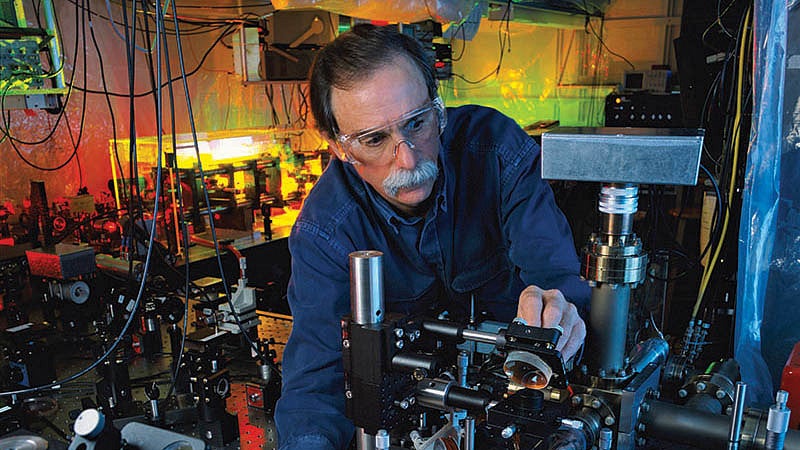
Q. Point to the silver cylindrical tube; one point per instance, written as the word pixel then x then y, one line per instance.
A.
pixel 606 439
pixel 366 307
pixel 482 336
pixel 55 44
pixel 617 204
pixel 463 367
pixel 469 433
pixel 777 422
pixel 382 440
pixel 653 350
pixel 734 435
pixel 433 393
pixel 608 318
pixel 364 441
pixel 366 287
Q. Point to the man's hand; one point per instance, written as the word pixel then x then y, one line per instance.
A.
pixel 548 309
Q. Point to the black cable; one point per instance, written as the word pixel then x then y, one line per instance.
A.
pixel 206 26
pixel 76 142
pixel 181 222
pixel 714 235
pixel 255 348
pixel 229 30
pixel 502 39
pixel 6 115
pixel 148 43
pixel 110 108
pixel 463 31
pixel 122 333
pixel 603 43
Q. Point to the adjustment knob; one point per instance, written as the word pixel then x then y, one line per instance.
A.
pixel 90 423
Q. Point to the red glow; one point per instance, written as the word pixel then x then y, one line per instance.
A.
pixel 26 203
pixel 110 227
pixel 439 64
pixel 217 217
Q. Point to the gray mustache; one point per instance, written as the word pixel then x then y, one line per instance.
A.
pixel 409 179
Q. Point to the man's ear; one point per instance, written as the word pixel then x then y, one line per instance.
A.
pixel 333 145
pixel 328 138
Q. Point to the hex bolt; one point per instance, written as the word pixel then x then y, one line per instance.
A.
pixel 399 344
pixel 640 428
pixel 577 400
pixel 348 394
pixel 682 393
pixel 596 404
pixel 701 386
pixel 398 332
pixel 720 394
pixel 508 431
pixel 346 343
pixel 609 421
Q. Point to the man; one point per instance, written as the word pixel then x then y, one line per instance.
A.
pixel 453 199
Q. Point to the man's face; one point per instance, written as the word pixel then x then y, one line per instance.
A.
pixel 405 178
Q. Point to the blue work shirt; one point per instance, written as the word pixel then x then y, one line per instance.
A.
pixel 493 228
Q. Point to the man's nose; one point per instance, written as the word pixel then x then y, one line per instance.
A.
pixel 404 154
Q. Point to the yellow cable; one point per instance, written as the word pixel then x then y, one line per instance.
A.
pixel 737 134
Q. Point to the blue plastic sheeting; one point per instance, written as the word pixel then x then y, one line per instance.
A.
pixel 768 297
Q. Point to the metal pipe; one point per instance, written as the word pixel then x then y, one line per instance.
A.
pixel 678 424
pixel 364 441
pixel 469 433
pixel 483 336
pixel 608 319
pixel 653 350
pixel 734 435
pixel 366 287
pixel 450 330
pixel 366 307
pixel 55 44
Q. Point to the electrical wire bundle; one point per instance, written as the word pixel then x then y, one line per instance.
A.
pixel 137 16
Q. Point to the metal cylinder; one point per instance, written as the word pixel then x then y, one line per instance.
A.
pixel 778 422
pixel 463 367
pixel 678 424
pixel 366 307
pixel 408 362
pixel 735 432
pixel 618 203
pixel 608 322
pixel 446 394
pixel 432 393
pixel 382 440
pixel 653 350
pixel 366 287
pixel 52 30
pixel 469 433
pixel 606 439
pixel 363 440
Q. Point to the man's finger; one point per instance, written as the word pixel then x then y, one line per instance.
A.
pixel 530 306
pixel 575 340
pixel 554 307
